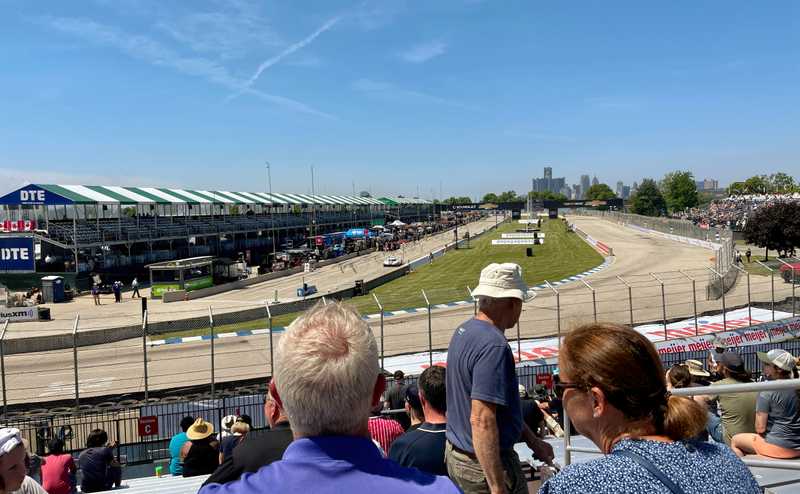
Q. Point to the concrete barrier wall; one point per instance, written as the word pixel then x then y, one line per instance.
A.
pixel 111 335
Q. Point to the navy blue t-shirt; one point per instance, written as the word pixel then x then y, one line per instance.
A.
pixel 480 366
pixel 422 448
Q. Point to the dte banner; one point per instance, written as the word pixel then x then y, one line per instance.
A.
pixel 16 255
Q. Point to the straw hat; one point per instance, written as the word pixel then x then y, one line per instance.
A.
pixel 200 430
pixel 502 281
pixel 696 368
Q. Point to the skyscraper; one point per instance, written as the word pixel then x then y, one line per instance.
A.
pixel 584 185
pixel 548 183
pixel 620 185
pixel 548 172
pixel 595 181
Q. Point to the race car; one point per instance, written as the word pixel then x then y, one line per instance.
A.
pixel 392 261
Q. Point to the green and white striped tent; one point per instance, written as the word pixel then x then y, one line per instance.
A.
pixel 108 194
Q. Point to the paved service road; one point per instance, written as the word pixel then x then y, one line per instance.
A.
pixel 327 279
pixel 118 368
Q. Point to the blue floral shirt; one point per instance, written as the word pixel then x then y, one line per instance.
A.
pixel 696 467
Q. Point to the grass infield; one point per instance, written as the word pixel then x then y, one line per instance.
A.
pixel 563 254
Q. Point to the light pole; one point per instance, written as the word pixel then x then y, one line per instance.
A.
pixel 271 211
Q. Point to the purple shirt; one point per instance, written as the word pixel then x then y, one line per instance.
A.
pixel 334 464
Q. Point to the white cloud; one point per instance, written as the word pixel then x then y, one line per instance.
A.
pixel 151 51
pixel 231 32
pixel 391 92
pixel 422 52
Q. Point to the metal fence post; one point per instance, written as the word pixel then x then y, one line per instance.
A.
pixel 380 308
pixel 694 302
pixel 519 343
pixel 474 301
pixel 271 350
pixel 430 328
pixel 749 301
pixel 558 311
pixel 75 358
pixel 594 298
pixel 772 285
pixel 630 296
pixel 3 365
pixel 724 315
pixel 211 325
pixel 144 351
pixel 663 305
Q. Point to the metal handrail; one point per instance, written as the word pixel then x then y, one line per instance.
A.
pixel 707 390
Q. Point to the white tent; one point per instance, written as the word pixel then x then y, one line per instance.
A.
pixel 397 223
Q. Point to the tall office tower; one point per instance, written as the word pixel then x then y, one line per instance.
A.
pixel 548 172
pixel 595 181
pixel 584 185
pixel 620 185
pixel 576 191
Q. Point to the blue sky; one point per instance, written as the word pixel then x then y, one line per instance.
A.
pixel 395 96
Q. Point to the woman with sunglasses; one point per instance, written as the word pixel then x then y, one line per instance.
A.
pixel 615 394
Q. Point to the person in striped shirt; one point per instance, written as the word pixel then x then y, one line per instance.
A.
pixel 383 430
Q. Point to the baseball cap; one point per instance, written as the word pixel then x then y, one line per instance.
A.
pixel 502 281
pixel 732 361
pixel 779 358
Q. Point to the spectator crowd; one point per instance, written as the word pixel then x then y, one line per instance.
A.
pixel 732 212
pixel 336 426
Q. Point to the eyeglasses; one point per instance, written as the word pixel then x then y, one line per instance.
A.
pixel 560 387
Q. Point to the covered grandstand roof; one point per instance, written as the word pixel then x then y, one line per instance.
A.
pixel 50 194
pixel 399 200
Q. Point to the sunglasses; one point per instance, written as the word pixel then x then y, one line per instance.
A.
pixel 560 387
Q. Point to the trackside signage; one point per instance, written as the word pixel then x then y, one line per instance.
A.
pixel 19 314
pixel 681 336
pixel 32 195
pixel 16 255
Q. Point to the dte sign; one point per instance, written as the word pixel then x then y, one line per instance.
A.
pixel 31 196
pixel 16 254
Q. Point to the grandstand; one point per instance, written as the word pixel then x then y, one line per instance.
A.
pixel 88 228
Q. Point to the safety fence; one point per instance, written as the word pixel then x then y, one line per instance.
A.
pixel 235 341
pixel 721 277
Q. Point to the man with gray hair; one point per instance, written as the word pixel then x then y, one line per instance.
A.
pixel 328 378
pixel 484 418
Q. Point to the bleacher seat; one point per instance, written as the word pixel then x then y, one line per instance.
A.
pixel 166 484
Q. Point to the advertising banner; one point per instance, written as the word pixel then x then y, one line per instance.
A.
pixel 681 336
pixel 518 241
pixel 31 195
pixel 19 314
pixel 17 255
pixel 522 235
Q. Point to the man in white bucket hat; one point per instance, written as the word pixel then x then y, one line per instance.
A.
pixel 484 418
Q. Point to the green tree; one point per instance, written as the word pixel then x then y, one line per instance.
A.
pixel 736 189
pixel 490 197
pixel 758 184
pixel 782 183
pixel 509 196
pixel 775 227
pixel 648 200
pixel 547 196
pixel 680 190
pixel 599 192
pixel 457 200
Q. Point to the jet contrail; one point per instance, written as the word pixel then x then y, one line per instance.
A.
pixel 285 53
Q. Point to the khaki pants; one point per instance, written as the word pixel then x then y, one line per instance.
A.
pixel 467 473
